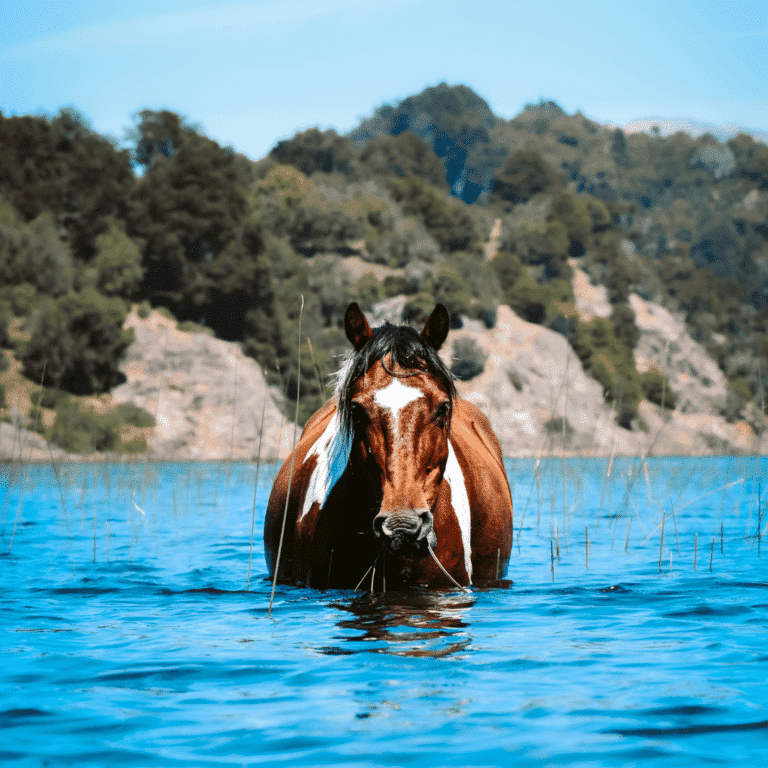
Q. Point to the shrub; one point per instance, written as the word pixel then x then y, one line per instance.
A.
pixel 557 426
pixel 545 244
pixel 136 445
pixel 3 403
pixel 468 359
pixel 610 361
pixel 81 430
pixel 367 291
pixel 515 380
pixel 508 268
pixel 623 319
pixel 449 288
pixel 737 396
pixel 541 303
pixel 48 397
pixel 573 213
pixel 394 285
pixel 128 413
pixel 5 321
pixel 656 388
pixel 418 308
pixel 35 420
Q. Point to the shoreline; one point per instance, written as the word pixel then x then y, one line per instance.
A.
pixel 144 459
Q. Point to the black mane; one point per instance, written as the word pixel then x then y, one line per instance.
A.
pixel 409 352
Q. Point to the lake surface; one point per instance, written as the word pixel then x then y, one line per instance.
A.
pixel 631 629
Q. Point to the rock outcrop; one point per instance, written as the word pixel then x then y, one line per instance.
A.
pixel 210 400
pixel 539 400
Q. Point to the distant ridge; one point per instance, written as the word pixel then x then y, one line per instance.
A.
pixel 668 126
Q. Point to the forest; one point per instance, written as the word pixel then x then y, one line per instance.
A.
pixel 171 219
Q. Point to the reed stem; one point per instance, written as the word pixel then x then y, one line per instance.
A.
pixel 255 489
pixel 552 559
pixel 293 461
pixel 586 546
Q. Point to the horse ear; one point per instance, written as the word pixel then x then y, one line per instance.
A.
pixel 356 327
pixel 436 327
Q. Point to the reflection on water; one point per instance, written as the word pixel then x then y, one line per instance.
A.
pixel 415 623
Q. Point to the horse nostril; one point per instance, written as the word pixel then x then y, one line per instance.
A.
pixel 408 528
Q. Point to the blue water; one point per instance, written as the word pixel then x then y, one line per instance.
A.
pixel 132 634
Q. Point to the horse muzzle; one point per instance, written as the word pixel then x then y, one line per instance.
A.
pixel 406 532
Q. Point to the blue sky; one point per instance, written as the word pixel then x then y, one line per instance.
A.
pixel 251 73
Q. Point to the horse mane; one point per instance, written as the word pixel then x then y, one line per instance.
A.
pixel 408 351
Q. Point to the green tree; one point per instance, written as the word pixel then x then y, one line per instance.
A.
pixel 573 213
pixel 77 342
pixel 446 219
pixel 751 158
pixel 625 327
pixel 116 268
pixel 61 165
pixel 81 430
pixel 401 156
pixel 158 134
pixel 186 208
pixel 315 150
pixel 234 290
pixel 33 253
pixel 524 174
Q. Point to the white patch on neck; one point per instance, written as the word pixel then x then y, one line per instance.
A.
pixel 460 503
pixel 394 397
pixel 332 450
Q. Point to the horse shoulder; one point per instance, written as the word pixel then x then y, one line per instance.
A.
pixel 478 452
pixel 471 432
pixel 296 472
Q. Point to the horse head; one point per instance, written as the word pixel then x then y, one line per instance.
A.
pixel 395 403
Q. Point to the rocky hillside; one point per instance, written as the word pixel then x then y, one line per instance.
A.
pixel 208 400
pixel 211 402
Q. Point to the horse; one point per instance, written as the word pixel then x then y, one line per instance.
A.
pixel 395 477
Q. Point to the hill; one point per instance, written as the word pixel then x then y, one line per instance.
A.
pixel 432 199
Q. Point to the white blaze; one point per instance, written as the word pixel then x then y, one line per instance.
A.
pixel 460 503
pixel 394 397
